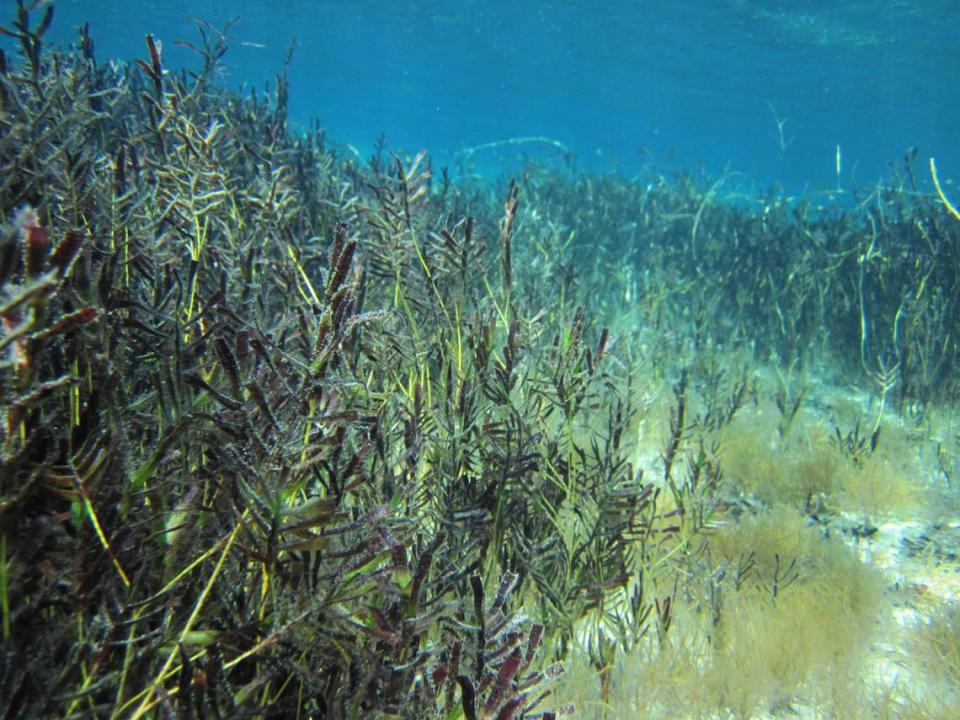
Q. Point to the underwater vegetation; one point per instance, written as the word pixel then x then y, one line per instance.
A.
pixel 778 619
pixel 287 435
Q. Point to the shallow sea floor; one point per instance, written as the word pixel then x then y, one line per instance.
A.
pixel 894 519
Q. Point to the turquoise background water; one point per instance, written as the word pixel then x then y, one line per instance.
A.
pixel 681 84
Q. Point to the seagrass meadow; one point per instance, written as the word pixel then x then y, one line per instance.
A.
pixel 287 433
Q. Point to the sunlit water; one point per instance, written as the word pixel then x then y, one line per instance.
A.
pixel 782 92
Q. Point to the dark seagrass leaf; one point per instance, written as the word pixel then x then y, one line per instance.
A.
pixel 499 692
pixel 468 698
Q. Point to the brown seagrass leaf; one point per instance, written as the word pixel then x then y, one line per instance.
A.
pixel 229 363
pixel 339 272
pixel 510 207
pixel 507 583
pixel 500 686
pixel 41 391
pixel 476 586
pixel 38 290
pixel 453 671
pixel 260 399
pixel 533 642
pixel 44 22
pixel 68 322
pixel 145 67
pixel 423 566
pixel 339 240
pixel 201 384
pixel 468 697
pixel 66 252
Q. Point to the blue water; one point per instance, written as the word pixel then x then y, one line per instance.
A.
pixel 679 84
